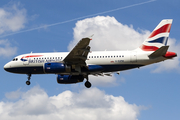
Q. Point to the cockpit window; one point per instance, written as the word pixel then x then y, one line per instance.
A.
pixel 15 59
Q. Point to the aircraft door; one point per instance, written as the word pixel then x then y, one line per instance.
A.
pixel 133 57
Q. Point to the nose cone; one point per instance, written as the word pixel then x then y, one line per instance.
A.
pixel 7 67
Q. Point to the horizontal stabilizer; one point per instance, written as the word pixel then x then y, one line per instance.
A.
pixel 159 52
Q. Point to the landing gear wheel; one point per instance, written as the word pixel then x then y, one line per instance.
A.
pixel 28 82
pixel 87 84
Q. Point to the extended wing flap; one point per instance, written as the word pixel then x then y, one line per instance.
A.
pixel 79 53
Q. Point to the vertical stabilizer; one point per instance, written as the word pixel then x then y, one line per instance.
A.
pixel 158 37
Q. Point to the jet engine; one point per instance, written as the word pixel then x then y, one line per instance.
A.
pixel 56 68
pixel 69 79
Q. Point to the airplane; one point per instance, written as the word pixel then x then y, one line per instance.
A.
pixel 80 62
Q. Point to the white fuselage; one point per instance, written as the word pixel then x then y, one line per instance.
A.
pixel 111 60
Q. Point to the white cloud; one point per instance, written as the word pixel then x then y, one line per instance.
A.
pixel 12 18
pixel 13 95
pixel 6 50
pixel 109 34
pixel 87 104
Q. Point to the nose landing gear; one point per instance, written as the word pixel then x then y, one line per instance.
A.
pixel 28 81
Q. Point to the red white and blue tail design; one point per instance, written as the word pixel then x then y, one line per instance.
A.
pixel 158 37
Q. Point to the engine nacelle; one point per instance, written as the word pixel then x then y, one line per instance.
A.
pixel 56 68
pixel 69 79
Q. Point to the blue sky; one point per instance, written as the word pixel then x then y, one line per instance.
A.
pixel 151 92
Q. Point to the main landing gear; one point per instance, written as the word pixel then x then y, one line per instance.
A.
pixel 87 83
pixel 28 81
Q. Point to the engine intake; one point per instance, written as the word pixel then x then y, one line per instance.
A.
pixel 69 79
pixel 56 68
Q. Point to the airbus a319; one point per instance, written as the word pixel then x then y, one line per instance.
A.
pixel 80 62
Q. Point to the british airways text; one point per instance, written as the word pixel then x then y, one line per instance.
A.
pixel 45 61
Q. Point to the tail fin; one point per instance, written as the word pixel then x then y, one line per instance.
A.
pixel 158 37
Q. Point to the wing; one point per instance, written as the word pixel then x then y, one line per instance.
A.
pixel 79 53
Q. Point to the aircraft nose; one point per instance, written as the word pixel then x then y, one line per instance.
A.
pixel 6 67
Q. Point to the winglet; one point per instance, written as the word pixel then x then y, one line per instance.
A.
pixel 90 37
pixel 159 52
